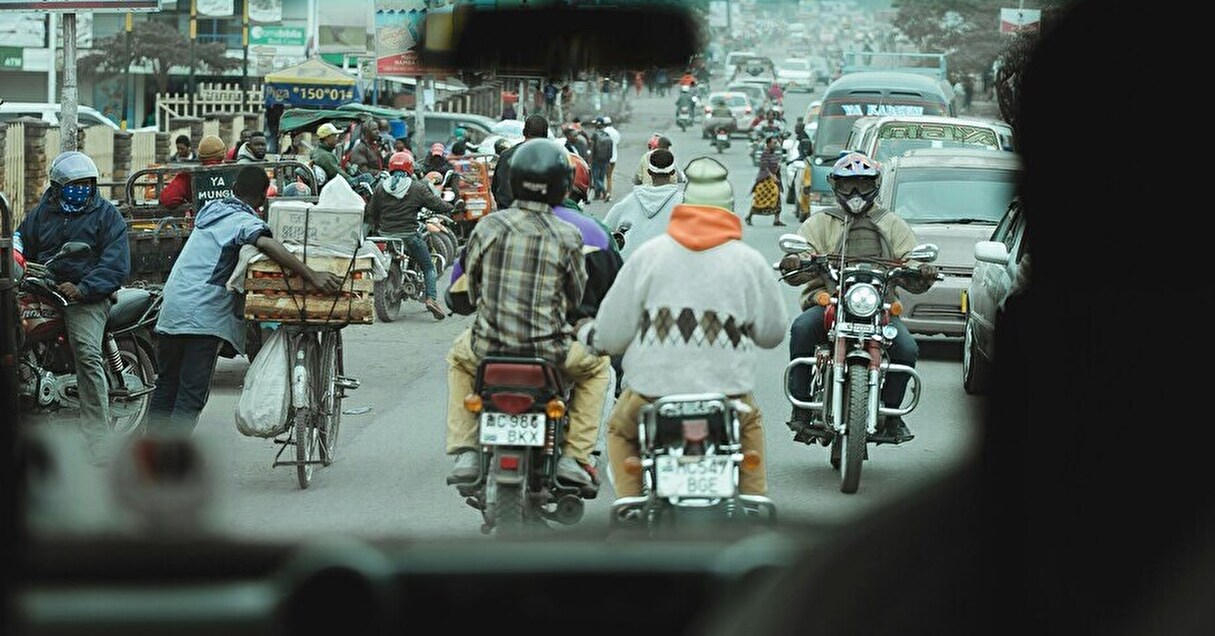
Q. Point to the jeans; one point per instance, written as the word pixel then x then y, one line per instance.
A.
pixel 416 244
pixel 807 332
pixel 85 326
pixel 183 384
pixel 599 176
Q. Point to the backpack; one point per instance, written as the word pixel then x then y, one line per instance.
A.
pixel 603 146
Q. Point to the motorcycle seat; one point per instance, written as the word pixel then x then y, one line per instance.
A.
pixel 129 305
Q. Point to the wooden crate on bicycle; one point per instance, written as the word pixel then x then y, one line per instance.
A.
pixel 271 294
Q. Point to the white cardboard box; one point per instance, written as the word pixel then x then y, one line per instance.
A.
pixel 302 222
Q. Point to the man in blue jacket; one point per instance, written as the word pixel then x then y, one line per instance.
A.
pixel 72 209
pixel 200 313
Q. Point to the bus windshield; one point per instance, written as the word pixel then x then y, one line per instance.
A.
pixel 836 117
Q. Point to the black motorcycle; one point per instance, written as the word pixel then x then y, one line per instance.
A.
pixel 521 404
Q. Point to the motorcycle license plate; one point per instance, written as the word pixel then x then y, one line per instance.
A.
pixel 694 476
pixel 504 429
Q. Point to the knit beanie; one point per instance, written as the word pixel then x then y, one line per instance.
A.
pixel 708 184
pixel 211 148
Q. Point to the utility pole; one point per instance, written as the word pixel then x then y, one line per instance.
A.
pixel 67 117
pixel 126 72
pixel 244 69
pixel 193 36
pixel 419 114
pixel 52 80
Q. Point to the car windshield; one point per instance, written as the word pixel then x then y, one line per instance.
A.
pixel 198 386
pixel 952 194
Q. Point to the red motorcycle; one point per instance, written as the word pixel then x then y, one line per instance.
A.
pixel 46 367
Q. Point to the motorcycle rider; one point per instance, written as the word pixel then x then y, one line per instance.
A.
pixel 647 209
pixel 525 271
pixel 534 127
pixel 324 157
pixel 685 100
pixel 72 209
pixel 437 161
pixel 198 315
pixel 718 355
pixel 870 230
pixel 365 157
pixel 393 212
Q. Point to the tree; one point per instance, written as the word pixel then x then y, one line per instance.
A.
pixel 160 46
pixel 966 30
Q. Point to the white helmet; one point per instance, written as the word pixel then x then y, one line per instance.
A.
pixel 72 166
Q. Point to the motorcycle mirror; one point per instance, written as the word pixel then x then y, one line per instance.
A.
pixel 796 244
pixel 74 249
pixel 924 252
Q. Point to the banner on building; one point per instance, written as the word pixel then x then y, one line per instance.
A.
pixel 398 29
pixel 216 8
pixel 265 10
pixel 1015 20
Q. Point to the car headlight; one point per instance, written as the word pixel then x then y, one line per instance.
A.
pixel 862 300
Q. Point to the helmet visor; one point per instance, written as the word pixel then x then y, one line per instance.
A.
pixel 863 186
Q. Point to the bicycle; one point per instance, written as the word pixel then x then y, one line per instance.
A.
pixel 318 387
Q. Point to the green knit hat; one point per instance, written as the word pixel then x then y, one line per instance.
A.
pixel 708 184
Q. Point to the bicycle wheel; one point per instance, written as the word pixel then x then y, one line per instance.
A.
pixel 331 398
pixel 307 442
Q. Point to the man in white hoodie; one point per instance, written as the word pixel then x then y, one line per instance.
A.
pixel 647 209
pixel 680 338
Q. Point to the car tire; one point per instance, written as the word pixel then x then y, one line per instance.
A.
pixel 976 370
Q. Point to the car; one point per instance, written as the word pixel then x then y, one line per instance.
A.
pixel 440 126
pixel 1001 270
pixel 740 106
pixel 795 74
pixel 85 115
pixel 953 197
pixel 756 92
pixel 732 60
pixel 882 138
pixel 821 69
pixel 757 68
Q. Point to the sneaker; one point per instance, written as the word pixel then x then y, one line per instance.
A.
pixel 894 431
pixel 436 310
pixel 568 469
pixel 468 466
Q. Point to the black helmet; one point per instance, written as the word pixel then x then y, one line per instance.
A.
pixel 540 171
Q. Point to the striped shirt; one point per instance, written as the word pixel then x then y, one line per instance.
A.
pixel 525 271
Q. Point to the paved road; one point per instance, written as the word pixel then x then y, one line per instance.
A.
pixel 388 480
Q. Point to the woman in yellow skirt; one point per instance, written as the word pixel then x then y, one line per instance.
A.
pixel 766 192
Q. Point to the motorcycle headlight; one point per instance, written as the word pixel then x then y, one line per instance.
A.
pixel 862 300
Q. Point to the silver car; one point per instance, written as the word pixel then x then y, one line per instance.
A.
pixel 1001 270
pixel 952 197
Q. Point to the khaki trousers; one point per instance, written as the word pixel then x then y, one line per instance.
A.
pixel 622 444
pixel 591 376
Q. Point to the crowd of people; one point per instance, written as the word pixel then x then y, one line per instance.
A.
pixel 543 277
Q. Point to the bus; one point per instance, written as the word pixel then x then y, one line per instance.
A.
pixel 868 93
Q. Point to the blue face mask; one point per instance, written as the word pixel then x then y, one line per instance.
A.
pixel 75 197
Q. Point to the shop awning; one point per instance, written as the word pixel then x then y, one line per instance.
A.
pixel 313 83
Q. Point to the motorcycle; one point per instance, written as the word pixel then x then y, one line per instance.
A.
pixel 721 139
pixel 521 406
pixel 691 460
pixel 847 373
pixel 406 279
pixel 684 118
pixel 46 366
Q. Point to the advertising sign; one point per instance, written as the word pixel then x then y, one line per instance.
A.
pixel 1014 20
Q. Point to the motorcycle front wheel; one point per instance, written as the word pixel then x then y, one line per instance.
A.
pixel 852 446
pixel 387 294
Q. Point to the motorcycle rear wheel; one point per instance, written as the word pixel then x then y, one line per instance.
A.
pixel 852 447
pixel 506 512
pixel 386 294
pixel 138 364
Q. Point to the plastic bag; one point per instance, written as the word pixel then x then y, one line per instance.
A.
pixel 265 399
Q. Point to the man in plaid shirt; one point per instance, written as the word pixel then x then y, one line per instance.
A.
pixel 525 270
